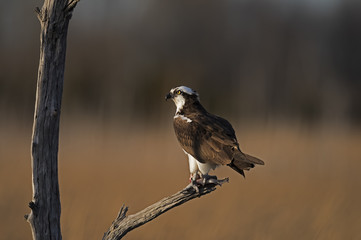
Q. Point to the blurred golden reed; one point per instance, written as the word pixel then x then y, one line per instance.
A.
pixel 308 189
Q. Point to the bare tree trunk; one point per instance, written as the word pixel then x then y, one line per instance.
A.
pixel 44 217
pixel 124 224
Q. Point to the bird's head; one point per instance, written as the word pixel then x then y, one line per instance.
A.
pixel 182 95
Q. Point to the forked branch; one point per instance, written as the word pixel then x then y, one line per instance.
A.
pixel 124 224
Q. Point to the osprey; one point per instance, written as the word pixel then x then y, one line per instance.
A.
pixel 208 140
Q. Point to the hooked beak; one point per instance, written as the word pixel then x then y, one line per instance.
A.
pixel 168 96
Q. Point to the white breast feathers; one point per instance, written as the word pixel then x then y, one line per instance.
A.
pixel 183 118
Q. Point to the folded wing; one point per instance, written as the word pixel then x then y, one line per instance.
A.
pixel 209 138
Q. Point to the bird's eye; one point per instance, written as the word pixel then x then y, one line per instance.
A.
pixel 178 92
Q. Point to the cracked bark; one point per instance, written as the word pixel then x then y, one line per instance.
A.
pixel 44 217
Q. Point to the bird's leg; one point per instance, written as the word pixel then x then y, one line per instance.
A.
pixel 198 179
pixel 209 179
pixel 194 181
pixel 206 179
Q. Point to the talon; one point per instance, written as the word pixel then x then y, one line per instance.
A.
pixel 193 185
pixel 208 179
pixel 204 181
pixel 196 188
pixel 198 180
pixel 213 180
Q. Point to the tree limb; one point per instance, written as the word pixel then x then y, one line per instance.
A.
pixel 44 217
pixel 124 224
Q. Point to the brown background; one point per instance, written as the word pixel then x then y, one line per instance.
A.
pixel 286 75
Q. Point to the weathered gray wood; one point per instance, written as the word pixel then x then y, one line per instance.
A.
pixel 124 224
pixel 44 217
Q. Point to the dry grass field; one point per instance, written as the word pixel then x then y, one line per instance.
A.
pixel 310 187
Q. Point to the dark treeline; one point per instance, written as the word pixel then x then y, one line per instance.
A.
pixel 248 59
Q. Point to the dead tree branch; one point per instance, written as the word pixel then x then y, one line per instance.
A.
pixel 44 217
pixel 124 224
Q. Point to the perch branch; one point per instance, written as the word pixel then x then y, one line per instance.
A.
pixel 124 224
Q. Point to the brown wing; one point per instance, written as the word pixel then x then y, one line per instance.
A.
pixel 207 138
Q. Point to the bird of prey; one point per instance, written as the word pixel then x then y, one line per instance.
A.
pixel 208 140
